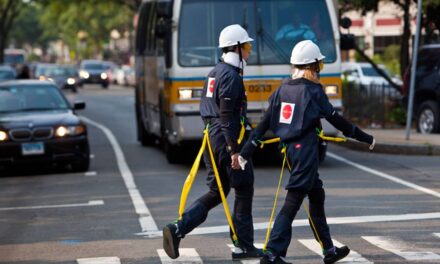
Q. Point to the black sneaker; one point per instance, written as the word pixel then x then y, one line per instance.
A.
pixel 171 240
pixel 278 260
pixel 339 254
pixel 247 254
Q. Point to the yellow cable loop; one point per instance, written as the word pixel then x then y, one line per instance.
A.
pixel 241 136
pixel 276 198
pixel 220 188
pixel 190 178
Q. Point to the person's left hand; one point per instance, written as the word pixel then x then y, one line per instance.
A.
pixel 234 161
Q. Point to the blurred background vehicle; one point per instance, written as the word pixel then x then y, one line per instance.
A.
pixel 38 70
pixel 64 76
pixel 363 73
pixel 38 126
pixel 426 90
pixel 110 70
pixel 7 73
pixel 93 71
pixel 14 57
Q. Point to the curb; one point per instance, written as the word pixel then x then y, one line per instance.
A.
pixel 394 148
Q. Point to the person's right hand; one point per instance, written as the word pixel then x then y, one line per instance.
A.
pixel 234 161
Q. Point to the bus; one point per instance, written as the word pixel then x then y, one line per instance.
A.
pixel 176 45
pixel 14 57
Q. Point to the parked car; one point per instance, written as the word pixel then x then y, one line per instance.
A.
pixel 64 76
pixel 38 125
pixel 6 73
pixel 427 89
pixel 93 71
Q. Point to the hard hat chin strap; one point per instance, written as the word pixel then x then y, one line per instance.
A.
pixel 240 57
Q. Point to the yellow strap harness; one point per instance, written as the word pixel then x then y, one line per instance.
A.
pixel 285 160
pixel 192 175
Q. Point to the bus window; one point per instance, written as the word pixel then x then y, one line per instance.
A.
pixel 280 24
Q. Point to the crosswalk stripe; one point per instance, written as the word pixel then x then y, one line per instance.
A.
pixel 104 260
pixel 401 248
pixel 248 261
pixel 187 255
pixel 353 257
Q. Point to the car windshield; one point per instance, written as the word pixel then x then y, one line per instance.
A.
pixel 61 71
pixel 275 25
pixel 6 75
pixel 94 66
pixel 23 98
pixel 371 72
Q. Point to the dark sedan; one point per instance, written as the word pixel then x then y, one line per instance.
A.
pixel 64 76
pixel 38 126
pixel 93 71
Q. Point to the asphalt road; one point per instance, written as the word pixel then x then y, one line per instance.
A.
pixel 384 207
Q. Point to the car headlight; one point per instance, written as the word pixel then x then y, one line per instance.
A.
pixel 63 131
pixel 3 136
pixel 190 93
pixel 70 81
pixel 104 75
pixel 84 74
pixel 331 90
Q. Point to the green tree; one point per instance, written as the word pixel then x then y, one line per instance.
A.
pixel 9 9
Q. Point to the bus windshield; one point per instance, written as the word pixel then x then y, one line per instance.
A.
pixel 12 59
pixel 275 25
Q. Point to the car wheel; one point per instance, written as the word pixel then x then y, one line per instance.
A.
pixel 172 152
pixel 146 138
pixel 82 163
pixel 428 117
pixel 105 85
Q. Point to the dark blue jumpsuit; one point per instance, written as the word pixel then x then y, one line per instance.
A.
pixel 222 107
pixel 295 110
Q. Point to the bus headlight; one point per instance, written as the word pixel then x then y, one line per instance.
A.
pixel 84 74
pixel 70 81
pixel 3 136
pixel 104 76
pixel 190 93
pixel 331 90
pixel 63 131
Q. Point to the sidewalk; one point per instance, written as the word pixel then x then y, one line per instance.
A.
pixel 393 141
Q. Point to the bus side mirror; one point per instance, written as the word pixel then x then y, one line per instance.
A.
pixel 345 22
pixel 347 42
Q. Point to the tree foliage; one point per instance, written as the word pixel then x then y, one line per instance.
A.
pixel 9 9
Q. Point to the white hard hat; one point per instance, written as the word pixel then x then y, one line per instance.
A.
pixel 232 34
pixel 305 52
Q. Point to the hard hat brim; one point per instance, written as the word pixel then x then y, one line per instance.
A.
pixel 226 45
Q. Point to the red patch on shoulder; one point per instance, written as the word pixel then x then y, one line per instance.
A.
pixel 297 146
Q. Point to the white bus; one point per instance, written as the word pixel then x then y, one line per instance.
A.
pixel 176 47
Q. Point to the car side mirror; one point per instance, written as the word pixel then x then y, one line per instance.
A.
pixel 79 105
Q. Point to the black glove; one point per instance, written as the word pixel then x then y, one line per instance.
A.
pixel 362 136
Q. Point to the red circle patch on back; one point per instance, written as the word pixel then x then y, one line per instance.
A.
pixel 287 111
pixel 211 85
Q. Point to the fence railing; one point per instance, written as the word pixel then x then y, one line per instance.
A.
pixel 374 106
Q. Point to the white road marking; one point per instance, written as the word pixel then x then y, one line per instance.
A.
pixel 104 260
pixel 305 222
pixel 187 256
pixel 248 261
pixel 90 203
pixel 384 175
pixel 352 258
pixel 437 234
pixel 90 173
pixel 145 218
pixel 401 248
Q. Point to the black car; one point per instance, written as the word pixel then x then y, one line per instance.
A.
pixel 64 76
pixel 39 126
pixel 427 89
pixel 93 71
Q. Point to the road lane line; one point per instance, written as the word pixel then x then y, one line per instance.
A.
pixel 187 255
pixel 145 218
pixel 90 173
pixel 248 261
pixel 90 203
pixel 401 248
pixel 103 260
pixel 437 234
pixel 384 175
pixel 305 222
pixel 352 258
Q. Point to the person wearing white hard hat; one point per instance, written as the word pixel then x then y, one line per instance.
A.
pixel 223 109
pixel 294 114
